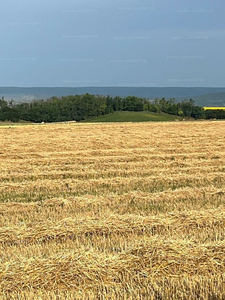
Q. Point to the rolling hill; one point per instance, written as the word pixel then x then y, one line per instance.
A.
pixel 131 116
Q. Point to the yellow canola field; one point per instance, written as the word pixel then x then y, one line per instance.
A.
pixel 213 108
pixel 113 211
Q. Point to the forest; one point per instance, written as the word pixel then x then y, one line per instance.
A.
pixel 86 106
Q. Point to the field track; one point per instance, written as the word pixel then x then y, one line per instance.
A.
pixel 113 211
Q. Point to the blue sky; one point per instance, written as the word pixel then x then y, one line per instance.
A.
pixel 76 43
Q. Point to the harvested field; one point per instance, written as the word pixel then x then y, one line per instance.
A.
pixel 113 211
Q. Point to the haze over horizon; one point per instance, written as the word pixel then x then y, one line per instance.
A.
pixel 74 43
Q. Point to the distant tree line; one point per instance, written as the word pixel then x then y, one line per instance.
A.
pixel 215 113
pixel 81 107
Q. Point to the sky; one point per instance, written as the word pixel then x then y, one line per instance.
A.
pixel 135 43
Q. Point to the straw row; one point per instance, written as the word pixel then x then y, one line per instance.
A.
pixel 148 260
pixel 69 228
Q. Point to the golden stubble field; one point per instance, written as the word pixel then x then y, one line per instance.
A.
pixel 112 211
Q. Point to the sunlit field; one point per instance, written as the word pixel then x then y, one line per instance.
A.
pixel 214 108
pixel 113 211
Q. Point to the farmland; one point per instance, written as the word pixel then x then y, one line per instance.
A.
pixel 214 108
pixel 131 116
pixel 112 211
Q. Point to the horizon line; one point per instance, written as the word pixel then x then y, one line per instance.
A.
pixel 186 87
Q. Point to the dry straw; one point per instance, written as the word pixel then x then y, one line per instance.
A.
pixel 113 211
